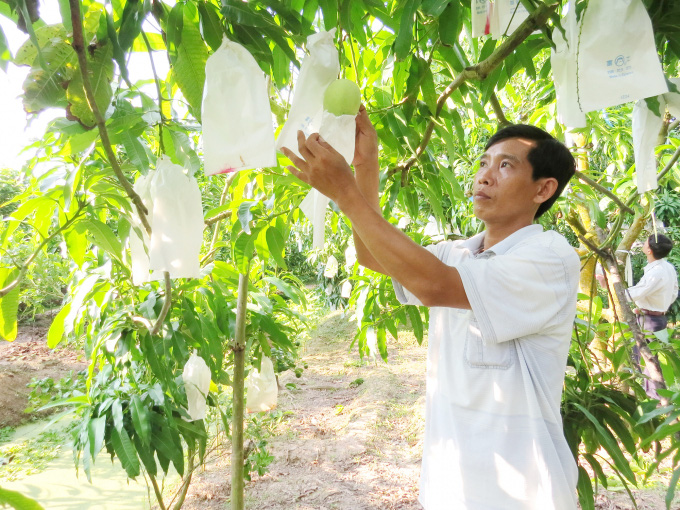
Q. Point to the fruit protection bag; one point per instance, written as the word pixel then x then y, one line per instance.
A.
pixel 318 70
pixel 177 221
pixel 614 55
pixel 563 62
pixel 505 16
pixel 238 130
pixel 139 245
pixel 480 17
pixel 261 388
pixel 196 377
pixel 647 123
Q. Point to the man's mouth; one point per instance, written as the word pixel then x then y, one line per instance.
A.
pixel 481 196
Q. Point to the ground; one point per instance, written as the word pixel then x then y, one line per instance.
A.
pixel 347 435
pixel 28 358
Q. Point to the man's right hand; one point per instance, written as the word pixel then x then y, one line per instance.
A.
pixel 366 143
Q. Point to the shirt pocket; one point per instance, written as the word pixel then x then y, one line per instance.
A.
pixel 479 354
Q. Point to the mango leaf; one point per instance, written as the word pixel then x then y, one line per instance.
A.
pixel 294 294
pixel 277 246
pixel 9 304
pixel 402 44
pixel 5 55
pixel 141 419
pixel 18 501
pixel 100 74
pixel 382 341
pixel 211 25
pixel 186 156
pixel 434 8
pixel 135 152
pixel 56 331
pixel 241 13
pixel 95 431
pixel 76 244
pixel 672 486
pixel 125 451
pixel 131 23
pixel 173 31
pixel 102 236
pixel 450 23
pixel 163 441
pixel 245 214
pixel 47 35
pixel 585 490
pixel 189 66
pixel 44 88
pixel 416 322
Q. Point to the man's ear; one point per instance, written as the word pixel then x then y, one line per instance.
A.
pixel 546 188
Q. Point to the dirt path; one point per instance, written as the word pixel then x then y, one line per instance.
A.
pixel 345 446
pixel 24 359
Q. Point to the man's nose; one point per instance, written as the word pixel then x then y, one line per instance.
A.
pixel 485 175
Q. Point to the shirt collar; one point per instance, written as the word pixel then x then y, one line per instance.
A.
pixel 476 242
pixel 653 264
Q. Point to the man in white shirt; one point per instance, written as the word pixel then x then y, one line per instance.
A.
pixel 503 304
pixel 654 294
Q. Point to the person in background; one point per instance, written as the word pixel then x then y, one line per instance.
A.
pixel 654 294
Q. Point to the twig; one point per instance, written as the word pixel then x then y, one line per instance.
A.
pixel 166 305
pixel 479 72
pixel 590 182
pixel 79 47
pixel 498 111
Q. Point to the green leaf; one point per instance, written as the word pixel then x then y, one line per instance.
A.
pixel 9 304
pixel 100 74
pixel 184 153
pixel 329 10
pixel 163 441
pixel 672 486
pixel 56 332
pixel 76 244
pixel 278 337
pixel 450 23
pixel 125 451
pixel 173 31
pixel 434 8
pixel 47 35
pixel 243 251
pixel 277 246
pixel 610 444
pixel 44 88
pixel 241 13
pixel 382 341
pixel 211 25
pixel 402 44
pixel 141 419
pixel 130 24
pixel 5 55
pixel 18 501
pixel 102 236
pixel 95 431
pixel 416 322
pixel 189 66
pixel 294 294
pixel 135 151
pixel 245 214
pixel 585 490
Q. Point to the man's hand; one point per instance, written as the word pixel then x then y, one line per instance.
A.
pixel 365 142
pixel 321 166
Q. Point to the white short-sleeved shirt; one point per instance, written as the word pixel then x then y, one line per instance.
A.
pixel 658 287
pixel 493 429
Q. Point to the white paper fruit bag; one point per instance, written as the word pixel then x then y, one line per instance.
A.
pixel 261 388
pixel 610 58
pixel 238 130
pixel 177 223
pixel 196 377
pixel 319 69
pixel 646 127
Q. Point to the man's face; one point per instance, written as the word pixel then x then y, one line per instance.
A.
pixel 503 189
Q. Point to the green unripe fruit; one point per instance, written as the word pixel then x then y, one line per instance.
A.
pixel 342 97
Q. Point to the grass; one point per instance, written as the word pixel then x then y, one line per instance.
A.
pixel 30 456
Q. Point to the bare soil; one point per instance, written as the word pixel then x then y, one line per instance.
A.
pixel 24 359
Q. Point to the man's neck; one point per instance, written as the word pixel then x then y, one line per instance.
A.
pixel 496 233
pixel 650 258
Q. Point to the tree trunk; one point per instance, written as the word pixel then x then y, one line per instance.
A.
pixel 237 484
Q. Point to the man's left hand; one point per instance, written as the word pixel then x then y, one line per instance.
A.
pixel 321 166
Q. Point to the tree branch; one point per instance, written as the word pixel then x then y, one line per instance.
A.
pixel 498 111
pixel 479 72
pixel 166 305
pixel 79 47
pixel 594 184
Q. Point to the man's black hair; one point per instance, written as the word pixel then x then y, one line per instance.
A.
pixel 660 245
pixel 548 158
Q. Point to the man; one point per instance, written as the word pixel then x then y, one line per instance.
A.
pixel 503 304
pixel 654 294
